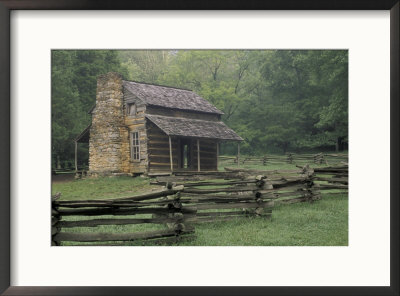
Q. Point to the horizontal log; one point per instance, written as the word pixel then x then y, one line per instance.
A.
pixel 121 211
pixel 163 160
pixel 181 179
pixel 205 153
pixel 162 152
pixel 97 222
pixel 293 200
pixel 99 237
pixel 153 145
pixel 147 196
pixel 216 190
pixel 233 182
pixel 276 195
pixel 331 169
pixel 214 219
pixel 222 200
pixel 159 164
pixel 160 156
pixel 333 186
pixel 332 179
pixel 239 212
pixel 231 195
pixel 336 193
pixel 262 172
pixel 241 205
pixel 113 204
pixel 160 149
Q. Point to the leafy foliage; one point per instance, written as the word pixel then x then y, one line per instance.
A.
pixel 73 91
pixel 277 100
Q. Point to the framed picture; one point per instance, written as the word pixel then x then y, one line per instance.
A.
pixel 40 42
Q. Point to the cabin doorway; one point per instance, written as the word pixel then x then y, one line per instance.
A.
pixel 185 154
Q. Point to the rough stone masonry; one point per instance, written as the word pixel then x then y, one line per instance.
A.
pixel 107 118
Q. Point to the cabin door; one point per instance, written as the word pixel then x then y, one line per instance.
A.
pixel 185 154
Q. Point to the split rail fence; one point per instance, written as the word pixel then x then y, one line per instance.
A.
pixel 185 200
pixel 334 179
pixel 163 207
pixel 320 158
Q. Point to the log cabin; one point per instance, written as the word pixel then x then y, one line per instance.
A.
pixel 140 128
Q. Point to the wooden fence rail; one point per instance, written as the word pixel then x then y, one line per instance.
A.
pixel 184 200
pixel 319 158
pixel 164 206
pixel 333 178
pixel 261 189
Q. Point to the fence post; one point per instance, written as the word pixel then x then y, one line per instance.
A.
pixel 289 158
pixel 179 217
pixel 264 160
pixel 178 225
pixel 55 218
pixel 312 192
pixel 261 183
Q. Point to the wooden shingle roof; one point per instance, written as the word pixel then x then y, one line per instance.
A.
pixel 185 127
pixel 169 97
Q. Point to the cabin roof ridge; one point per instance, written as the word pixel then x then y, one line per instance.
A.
pixel 156 84
pixel 178 117
pixel 170 97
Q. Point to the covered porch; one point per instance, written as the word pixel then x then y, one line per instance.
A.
pixel 83 137
pixel 193 144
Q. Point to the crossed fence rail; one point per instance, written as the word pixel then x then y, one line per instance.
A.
pixel 184 201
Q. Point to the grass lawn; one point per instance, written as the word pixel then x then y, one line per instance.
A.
pixel 322 223
pixel 102 188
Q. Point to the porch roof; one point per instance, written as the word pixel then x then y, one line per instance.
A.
pixel 83 137
pixel 195 128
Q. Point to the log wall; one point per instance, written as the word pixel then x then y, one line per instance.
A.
pixel 158 149
pixel 158 152
pixel 208 155
pixel 134 123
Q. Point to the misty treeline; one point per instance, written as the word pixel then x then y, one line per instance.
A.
pixel 276 100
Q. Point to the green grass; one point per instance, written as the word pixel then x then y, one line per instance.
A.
pixel 102 188
pixel 321 223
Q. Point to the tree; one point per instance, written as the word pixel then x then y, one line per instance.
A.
pixel 73 92
pixel 66 108
pixel 277 100
pixel 215 75
pixel 145 65
pixel 333 119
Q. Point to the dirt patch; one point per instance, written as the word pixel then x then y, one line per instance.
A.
pixel 62 178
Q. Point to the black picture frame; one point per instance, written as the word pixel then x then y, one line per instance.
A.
pixel 7 6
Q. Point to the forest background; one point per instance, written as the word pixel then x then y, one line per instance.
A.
pixel 276 100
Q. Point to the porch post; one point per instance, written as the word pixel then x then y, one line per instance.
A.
pixel 198 155
pixel 170 153
pixel 238 153
pixel 217 154
pixel 76 156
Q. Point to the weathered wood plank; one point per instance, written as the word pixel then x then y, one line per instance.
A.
pixel 97 222
pixel 98 237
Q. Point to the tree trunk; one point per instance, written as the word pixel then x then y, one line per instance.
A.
pixel 58 165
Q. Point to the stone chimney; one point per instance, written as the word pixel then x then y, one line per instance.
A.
pixel 107 119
